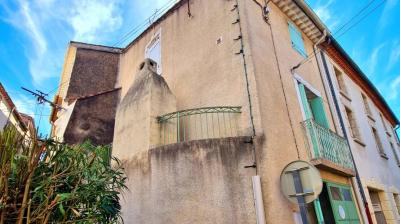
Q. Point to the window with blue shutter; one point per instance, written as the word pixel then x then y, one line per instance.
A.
pixel 297 40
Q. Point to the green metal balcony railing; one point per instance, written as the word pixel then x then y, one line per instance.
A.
pixel 199 123
pixel 326 144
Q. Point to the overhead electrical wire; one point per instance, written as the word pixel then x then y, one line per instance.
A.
pixel 148 21
pixel 346 30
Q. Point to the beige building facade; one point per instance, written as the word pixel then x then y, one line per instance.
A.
pixel 370 126
pixel 232 92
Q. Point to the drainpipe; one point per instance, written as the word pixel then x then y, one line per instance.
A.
pixel 320 39
pixel 335 101
pixel 395 133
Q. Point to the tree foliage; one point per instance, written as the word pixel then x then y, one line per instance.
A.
pixel 49 182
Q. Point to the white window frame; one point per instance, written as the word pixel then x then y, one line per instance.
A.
pixel 155 39
pixel 298 79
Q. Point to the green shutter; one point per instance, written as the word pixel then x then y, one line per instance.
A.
pixel 318 211
pixel 309 115
pixel 304 101
pixel 297 40
pixel 343 207
pixel 317 106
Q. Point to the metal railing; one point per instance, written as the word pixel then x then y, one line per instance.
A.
pixel 199 123
pixel 326 144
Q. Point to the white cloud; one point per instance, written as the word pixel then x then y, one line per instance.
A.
pixel 50 24
pixel 89 19
pixel 394 88
pixel 394 56
pixel 25 104
pixel 325 15
pixel 383 20
pixel 32 28
pixel 373 59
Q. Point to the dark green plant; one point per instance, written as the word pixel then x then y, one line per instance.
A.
pixel 50 182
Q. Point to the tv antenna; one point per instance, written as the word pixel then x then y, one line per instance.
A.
pixel 41 98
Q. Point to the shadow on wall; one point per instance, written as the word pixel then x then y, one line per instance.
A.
pixel 93 119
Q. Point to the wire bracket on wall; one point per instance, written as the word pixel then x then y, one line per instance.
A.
pixel 234 8
pixel 238 38
pixel 188 9
pixel 240 52
pixel 237 21
pixel 251 166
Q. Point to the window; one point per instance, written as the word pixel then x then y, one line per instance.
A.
pixel 339 77
pixel 396 156
pixel 313 106
pixel 297 40
pixel 346 194
pixel 335 192
pixel 383 122
pixel 378 142
pixel 153 51
pixel 397 201
pixel 355 132
pixel 376 204
pixel 366 105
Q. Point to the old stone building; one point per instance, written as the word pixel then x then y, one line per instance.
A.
pixel 88 93
pixel 232 92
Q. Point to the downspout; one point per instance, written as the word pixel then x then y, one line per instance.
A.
pixel 341 121
pixel 315 47
pixel 395 133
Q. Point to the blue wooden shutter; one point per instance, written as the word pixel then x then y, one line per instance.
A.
pixel 297 40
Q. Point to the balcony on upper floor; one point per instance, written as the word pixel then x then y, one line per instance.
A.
pixel 199 123
pixel 327 149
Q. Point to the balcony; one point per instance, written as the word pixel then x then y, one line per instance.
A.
pixel 199 123
pixel 328 150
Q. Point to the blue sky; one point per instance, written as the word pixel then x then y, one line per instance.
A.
pixel 35 34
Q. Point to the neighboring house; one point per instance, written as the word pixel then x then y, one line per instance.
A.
pixel 9 115
pixel 227 96
pixel 88 94
pixel 369 124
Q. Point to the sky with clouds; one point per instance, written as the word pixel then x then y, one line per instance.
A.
pixel 35 35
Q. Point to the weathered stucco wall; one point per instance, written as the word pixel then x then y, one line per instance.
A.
pixel 214 75
pixel 93 119
pixel 194 182
pixel 199 71
pixel 136 126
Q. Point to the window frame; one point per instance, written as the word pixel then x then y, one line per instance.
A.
pixel 353 124
pixel 395 154
pixel 155 39
pixel 367 107
pixel 378 142
pixel 340 80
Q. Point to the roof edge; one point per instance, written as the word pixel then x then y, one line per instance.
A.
pixel 96 47
pixel 364 77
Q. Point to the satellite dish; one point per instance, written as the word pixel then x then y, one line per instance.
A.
pixel 301 182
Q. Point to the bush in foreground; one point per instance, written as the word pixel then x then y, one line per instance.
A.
pixel 50 182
